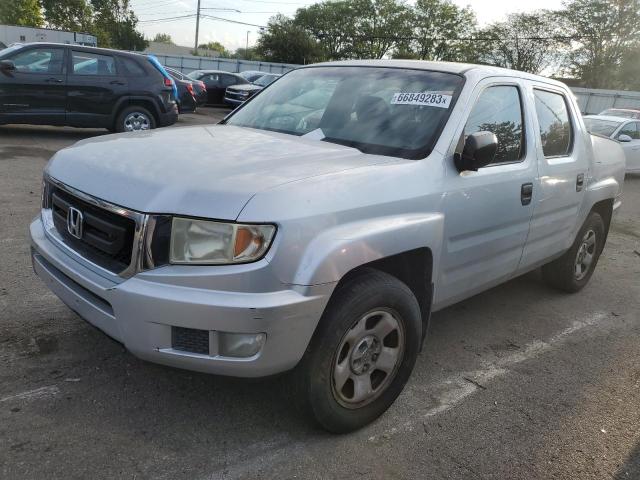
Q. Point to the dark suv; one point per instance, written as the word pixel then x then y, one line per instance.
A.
pixel 56 84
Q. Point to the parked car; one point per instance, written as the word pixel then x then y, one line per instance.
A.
pixel 199 90
pixel 251 75
pixel 56 84
pixel 186 94
pixel 623 130
pixel 621 112
pixel 217 82
pixel 319 225
pixel 239 94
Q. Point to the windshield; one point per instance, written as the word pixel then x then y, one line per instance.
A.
pixel 10 49
pixel 265 80
pixel 386 111
pixel 601 127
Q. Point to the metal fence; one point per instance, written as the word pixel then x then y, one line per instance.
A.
pixel 189 63
pixel 593 101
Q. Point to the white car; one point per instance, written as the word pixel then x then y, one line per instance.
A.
pixel 624 130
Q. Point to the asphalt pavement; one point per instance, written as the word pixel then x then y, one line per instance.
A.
pixel 520 382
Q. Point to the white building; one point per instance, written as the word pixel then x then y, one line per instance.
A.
pixel 11 34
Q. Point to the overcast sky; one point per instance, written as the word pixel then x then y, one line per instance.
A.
pixel 258 12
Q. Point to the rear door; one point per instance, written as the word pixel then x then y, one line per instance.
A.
pixel 215 92
pixel 487 213
pixel 95 85
pixel 35 92
pixel 563 162
pixel 632 148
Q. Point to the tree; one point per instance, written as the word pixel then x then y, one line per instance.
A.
pixel 25 13
pixel 332 25
pixel 529 42
pixel 215 47
pixel 163 38
pixel 605 31
pixel 115 25
pixel 74 15
pixel 440 30
pixel 629 74
pixel 285 41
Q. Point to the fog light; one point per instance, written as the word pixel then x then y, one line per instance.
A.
pixel 240 344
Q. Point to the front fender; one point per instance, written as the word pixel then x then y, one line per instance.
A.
pixel 336 251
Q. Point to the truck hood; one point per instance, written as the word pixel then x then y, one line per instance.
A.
pixel 207 171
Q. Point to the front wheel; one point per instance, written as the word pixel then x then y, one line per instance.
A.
pixel 362 352
pixel 572 271
pixel 135 119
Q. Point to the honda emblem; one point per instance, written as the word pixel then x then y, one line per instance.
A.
pixel 74 222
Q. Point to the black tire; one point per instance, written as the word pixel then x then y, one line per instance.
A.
pixel 563 273
pixel 368 293
pixel 143 113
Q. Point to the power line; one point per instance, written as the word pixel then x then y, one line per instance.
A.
pixel 210 17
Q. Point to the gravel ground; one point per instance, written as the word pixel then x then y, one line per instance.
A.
pixel 520 382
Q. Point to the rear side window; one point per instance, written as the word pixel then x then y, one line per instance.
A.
pixel 631 129
pixel 499 110
pixel 556 131
pixel 39 60
pixel 131 67
pixel 85 63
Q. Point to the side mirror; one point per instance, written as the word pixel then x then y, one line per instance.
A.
pixel 624 138
pixel 479 151
pixel 7 65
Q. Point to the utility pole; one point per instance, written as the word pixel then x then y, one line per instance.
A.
pixel 246 50
pixel 197 28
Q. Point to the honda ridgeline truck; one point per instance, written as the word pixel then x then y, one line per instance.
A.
pixel 319 225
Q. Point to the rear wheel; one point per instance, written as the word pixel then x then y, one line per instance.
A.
pixel 135 119
pixel 362 353
pixel 572 271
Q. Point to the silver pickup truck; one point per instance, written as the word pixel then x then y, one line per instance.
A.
pixel 319 225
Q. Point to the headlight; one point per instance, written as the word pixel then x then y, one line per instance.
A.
pixel 216 243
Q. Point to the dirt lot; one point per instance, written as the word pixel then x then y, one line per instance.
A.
pixel 521 382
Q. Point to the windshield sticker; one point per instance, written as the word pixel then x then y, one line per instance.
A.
pixel 429 99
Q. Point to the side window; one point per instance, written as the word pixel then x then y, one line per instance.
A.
pixel 499 110
pixel 556 131
pixel 228 80
pixel 631 129
pixel 39 60
pixel 132 68
pixel 212 79
pixel 85 63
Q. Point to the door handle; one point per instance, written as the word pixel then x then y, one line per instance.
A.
pixel 116 82
pixel 580 182
pixel 526 193
pixel 53 80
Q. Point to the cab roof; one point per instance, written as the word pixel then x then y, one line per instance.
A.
pixel 447 67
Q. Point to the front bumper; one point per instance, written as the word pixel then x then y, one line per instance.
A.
pixel 141 311
pixel 234 102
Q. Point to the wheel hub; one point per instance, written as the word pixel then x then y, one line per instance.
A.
pixel 365 354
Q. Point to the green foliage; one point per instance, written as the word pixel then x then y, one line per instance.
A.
pixel 215 47
pixel 529 42
pixel 73 15
pixel 606 33
pixel 163 38
pixel 21 12
pixel 441 30
pixel 285 41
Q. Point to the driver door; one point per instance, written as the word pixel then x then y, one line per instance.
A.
pixel 488 212
pixel 35 92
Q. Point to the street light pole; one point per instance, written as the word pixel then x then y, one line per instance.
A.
pixel 246 50
pixel 197 28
